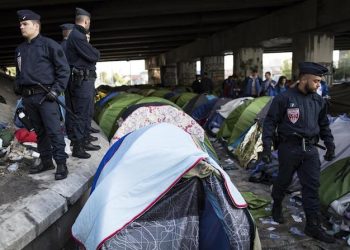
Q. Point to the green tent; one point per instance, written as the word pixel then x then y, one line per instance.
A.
pixel 150 99
pixel 112 111
pixel 230 122
pixel 160 92
pixel 146 92
pixel 243 118
pixel 184 98
pixel 335 182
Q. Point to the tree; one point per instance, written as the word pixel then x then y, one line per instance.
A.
pixel 118 79
pixel 286 68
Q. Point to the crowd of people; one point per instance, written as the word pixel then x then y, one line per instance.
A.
pixel 254 86
pixel 50 76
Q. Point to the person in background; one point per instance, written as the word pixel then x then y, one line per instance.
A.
pixel 253 85
pixel 66 30
pixel 268 83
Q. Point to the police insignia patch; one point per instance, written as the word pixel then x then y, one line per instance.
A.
pixel 293 114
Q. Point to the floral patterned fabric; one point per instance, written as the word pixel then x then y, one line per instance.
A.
pixel 145 116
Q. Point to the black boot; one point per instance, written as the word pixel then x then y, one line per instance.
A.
pixel 277 215
pixel 45 164
pixel 94 130
pixel 79 151
pixel 314 229
pixel 88 146
pixel 92 138
pixel 61 172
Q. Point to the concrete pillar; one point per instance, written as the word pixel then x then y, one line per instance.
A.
pixel 169 74
pixel 313 47
pixel 246 60
pixel 186 72
pixel 153 67
pixel 214 66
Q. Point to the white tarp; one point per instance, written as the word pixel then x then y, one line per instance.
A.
pixel 225 110
pixel 341 132
pixel 147 164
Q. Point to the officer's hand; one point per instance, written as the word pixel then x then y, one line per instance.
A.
pixel 51 96
pixel 266 156
pixel 330 155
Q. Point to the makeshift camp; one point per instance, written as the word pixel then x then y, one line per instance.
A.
pixel 146 115
pixel 112 110
pixel 157 189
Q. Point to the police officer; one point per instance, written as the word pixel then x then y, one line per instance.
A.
pixel 41 60
pixel 66 30
pixel 300 116
pixel 82 58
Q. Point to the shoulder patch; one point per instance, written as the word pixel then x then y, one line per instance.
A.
pixel 60 53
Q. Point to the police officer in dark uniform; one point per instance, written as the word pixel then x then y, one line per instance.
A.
pixel 82 58
pixel 66 30
pixel 41 60
pixel 300 117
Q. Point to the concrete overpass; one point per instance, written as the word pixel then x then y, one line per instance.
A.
pixel 184 29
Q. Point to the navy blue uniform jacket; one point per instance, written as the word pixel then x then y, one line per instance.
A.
pixel 42 60
pixel 80 53
pixel 294 112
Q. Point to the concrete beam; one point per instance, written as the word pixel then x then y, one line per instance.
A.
pixel 303 17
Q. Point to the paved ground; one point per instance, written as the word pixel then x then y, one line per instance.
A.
pixel 279 237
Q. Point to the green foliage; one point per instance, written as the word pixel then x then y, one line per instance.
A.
pixel 286 68
pixel 343 70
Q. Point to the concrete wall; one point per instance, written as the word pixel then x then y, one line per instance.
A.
pixel 214 66
pixel 186 72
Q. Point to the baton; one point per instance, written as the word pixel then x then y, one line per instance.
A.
pixel 58 101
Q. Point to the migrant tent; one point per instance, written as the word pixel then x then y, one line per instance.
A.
pixel 112 110
pixel 340 128
pixel 156 189
pixel 161 114
pixel 245 120
pixel 147 115
pixel 160 92
pixel 214 119
pixel 184 98
pixel 146 92
pixel 231 120
pixel 103 101
pixel 143 117
pixel 335 186
pixel 197 101
pixel 335 175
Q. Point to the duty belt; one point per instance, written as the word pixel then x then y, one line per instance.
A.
pixel 301 140
pixel 33 90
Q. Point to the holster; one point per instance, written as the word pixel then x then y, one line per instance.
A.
pixel 77 77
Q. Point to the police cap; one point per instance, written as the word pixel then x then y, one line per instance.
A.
pixel 24 15
pixel 312 68
pixel 81 12
pixel 67 26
